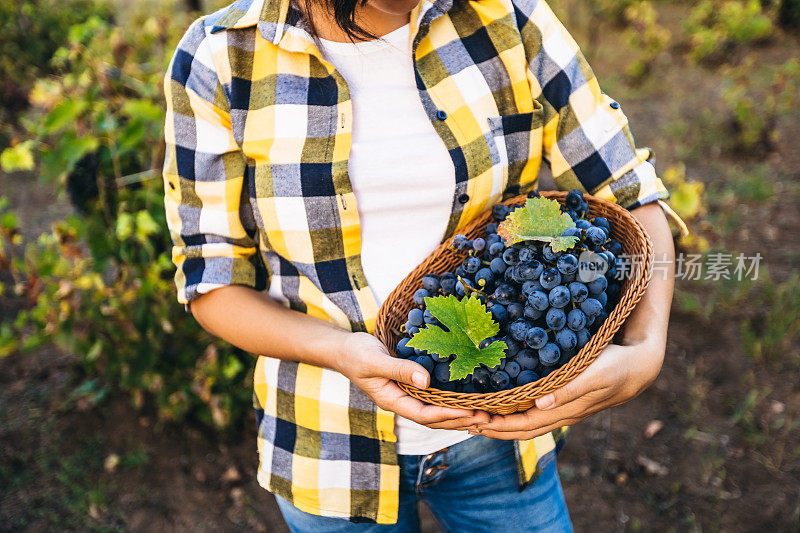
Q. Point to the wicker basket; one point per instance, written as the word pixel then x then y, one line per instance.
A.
pixel 625 228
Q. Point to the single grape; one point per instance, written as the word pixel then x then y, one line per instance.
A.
pixel 498 266
pixel 478 244
pixel 591 307
pixel 578 291
pixel 576 320
pixel 403 350
pixel 486 342
pixel 566 339
pixel 595 235
pixel 550 278
pixel 525 377
pixel 539 300
pixel 480 378
pixel 527 253
pixel 471 264
pixel 515 310
pixel 574 199
pixel 431 283
pixel 583 224
pixel 512 369
pixel 597 285
pixel 548 254
pixel 419 296
pixel 549 354
pixel 505 294
pixel 500 212
pixel 527 359
pixel 491 228
pixel 516 277
pixel 531 313
pixel 534 194
pixel 566 279
pixel 571 232
pixel 512 347
pixel 427 363
pixel 615 247
pixel 461 287
pixel 484 277
pixel 556 319
pixel 496 248
pixel 518 329
pixel 448 286
pixel 536 337
pixel 416 317
pixel 442 372
pixel 511 256
pixel 567 264
pixel 559 297
pixel 499 312
pixel 500 380
pixel 528 271
pixel 459 242
pixel 411 330
pixel 601 222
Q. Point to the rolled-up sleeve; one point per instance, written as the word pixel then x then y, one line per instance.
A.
pixel 586 139
pixel 209 215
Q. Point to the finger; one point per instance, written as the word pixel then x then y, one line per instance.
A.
pixel 525 435
pixel 595 376
pixel 394 399
pixel 403 370
pixel 480 417
pixel 535 418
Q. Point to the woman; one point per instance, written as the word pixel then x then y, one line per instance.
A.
pixel 317 151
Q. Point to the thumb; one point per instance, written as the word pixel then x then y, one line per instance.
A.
pixel 569 392
pixel 403 370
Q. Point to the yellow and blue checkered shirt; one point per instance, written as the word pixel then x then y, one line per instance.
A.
pixel 258 132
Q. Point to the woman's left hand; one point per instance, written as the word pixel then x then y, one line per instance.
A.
pixel 619 374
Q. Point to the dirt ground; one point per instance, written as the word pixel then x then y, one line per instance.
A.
pixel 712 445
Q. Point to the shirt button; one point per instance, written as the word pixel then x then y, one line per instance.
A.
pixel 614 105
pixel 441 114
pixel 463 198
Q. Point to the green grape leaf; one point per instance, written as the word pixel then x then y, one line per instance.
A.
pixel 540 220
pixel 468 323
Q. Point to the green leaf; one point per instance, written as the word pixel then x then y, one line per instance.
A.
pixel 145 225
pixel 64 114
pixel 17 157
pixel 468 323
pixel 540 220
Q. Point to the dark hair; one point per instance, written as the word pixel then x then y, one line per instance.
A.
pixel 344 15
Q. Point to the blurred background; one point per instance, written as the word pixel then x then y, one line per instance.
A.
pixel 117 412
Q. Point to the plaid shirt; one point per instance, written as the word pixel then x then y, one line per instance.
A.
pixel 257 193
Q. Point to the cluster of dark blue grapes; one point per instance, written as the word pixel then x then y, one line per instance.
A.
pixel 546 314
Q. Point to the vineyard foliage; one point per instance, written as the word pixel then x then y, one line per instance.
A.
pixel 83 111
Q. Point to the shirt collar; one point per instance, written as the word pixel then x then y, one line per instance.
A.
pixel 282 23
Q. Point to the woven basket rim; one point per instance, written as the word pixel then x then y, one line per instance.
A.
pixel 523 396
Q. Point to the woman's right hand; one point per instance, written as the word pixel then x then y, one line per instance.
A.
pixel 366 362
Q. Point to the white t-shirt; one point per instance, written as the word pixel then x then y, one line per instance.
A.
pixel 402 177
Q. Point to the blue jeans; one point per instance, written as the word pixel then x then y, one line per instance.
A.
pixel 471 486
